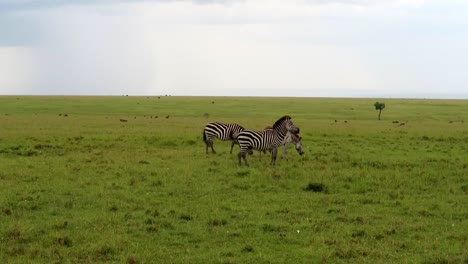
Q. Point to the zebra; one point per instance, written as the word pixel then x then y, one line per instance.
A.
pixel 222 131
pixel 292 138
pixel 269 139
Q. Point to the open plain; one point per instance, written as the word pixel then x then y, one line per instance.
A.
pixel 126 179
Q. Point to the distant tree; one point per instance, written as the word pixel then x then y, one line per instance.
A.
pixel 380 107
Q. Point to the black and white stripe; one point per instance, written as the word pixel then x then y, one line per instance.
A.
pixel 294 139
pixel 268 139
pixel 290 138
pixel 222 131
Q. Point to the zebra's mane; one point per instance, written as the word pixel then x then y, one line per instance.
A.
pixel 295 137
pixel 281 120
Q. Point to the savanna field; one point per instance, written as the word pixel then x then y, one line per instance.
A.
pixel 126 180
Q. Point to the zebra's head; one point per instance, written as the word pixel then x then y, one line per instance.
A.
pixel 285 122
pixel 297 140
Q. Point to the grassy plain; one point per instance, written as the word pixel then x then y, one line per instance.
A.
pixel 80 185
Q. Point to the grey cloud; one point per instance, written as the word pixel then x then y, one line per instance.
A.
pixel 15 5
pixel 32 5
pixel 17 32
pixel 349 2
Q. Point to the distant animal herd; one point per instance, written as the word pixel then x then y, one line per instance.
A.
pixel 270 139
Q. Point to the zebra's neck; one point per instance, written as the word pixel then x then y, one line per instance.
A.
pixel 294 137
pixel 281 131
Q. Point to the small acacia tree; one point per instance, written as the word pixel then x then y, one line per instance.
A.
pixel 380 107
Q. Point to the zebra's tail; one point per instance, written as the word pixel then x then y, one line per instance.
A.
pixel 204 136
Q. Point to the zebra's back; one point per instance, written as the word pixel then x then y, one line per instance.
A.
pixel 258 140
pixel 222 131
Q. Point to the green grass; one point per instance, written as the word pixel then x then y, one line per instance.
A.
pixel 80 186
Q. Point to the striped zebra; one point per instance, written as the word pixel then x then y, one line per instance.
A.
pixel 292 138
pixel 269 139
pixel 222 131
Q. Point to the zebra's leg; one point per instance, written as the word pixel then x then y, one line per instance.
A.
pixel 232 145
pixel 274 152
pixel 241 156
pixel 209 143
pixel 285 151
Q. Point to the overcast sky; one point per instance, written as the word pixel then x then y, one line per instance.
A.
pixel 358 48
